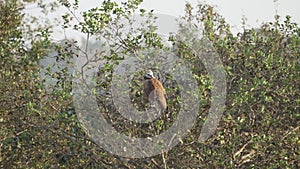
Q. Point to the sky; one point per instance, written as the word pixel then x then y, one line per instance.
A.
pixel 256 11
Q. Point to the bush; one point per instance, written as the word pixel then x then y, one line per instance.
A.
pixel 259 128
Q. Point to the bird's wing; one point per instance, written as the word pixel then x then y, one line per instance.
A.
pixel 160 92
pixel 158 85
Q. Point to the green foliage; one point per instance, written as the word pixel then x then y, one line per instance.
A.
pixel 260 126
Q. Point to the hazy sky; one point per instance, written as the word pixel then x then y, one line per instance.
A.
pixel 256 11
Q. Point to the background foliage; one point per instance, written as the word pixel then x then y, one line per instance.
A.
pixel 39 129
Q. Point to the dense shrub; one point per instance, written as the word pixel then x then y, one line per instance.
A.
pixel 259 128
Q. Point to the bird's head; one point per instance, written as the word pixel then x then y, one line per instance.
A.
pixel 148 74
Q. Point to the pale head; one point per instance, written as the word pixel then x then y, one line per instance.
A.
pixel 148 74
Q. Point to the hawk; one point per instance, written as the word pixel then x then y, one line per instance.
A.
pixel 154 91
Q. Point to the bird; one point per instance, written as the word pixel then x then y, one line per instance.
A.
pixel 154 91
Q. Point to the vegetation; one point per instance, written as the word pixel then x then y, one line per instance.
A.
pixel 39 128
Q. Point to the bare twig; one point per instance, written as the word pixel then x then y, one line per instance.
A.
pixel 241 150
pixel 290 132
pixel 155 163
pixel 164 160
